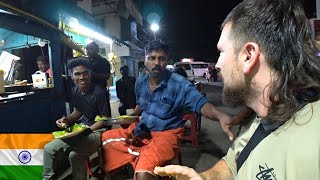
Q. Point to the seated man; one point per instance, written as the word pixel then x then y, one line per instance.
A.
pixel 89 101
pixel 161 98
pixel 268 61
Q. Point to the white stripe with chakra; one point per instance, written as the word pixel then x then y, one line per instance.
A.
pixel 21 157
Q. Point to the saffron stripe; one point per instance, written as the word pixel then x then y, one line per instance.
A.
pixel 22 157
pixel 24 141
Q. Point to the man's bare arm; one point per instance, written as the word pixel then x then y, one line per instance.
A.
pixel 73 117
pixel 68 120
pixel 220 171
pixel 211 112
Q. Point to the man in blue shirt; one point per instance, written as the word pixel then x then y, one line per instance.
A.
pixel 162 96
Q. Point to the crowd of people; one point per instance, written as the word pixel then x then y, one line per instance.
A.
pixel 267 62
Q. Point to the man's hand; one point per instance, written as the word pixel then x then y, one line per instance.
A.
pixel 226 124
pixel 62 122
pixel 211 112
pixel 179 172
pixel 137 140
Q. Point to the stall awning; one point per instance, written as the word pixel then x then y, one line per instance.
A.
pixel 64 38
pixel 85 27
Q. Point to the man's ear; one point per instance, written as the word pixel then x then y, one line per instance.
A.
pixel 250 55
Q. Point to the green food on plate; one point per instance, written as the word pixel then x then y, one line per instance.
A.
pixel 74 129
pixel 101 118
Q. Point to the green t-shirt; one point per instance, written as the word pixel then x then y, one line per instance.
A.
pixel 290 152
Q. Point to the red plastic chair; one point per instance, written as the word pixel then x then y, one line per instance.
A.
pixel 194 136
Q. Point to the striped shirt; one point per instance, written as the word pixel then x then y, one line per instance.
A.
pixel 163 109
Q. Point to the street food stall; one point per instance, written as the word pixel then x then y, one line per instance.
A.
pixel 31 102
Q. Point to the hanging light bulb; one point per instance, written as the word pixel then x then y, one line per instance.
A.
pixel 41 42
pixel 2 43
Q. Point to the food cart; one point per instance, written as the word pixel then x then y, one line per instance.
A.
pixel 32 102
pixel 25 107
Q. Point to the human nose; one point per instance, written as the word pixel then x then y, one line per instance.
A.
pixel 218 65
pixel 82 75
pixel 157 61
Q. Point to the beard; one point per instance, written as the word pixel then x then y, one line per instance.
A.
pixel 239 91
pixel 156 72
pixel 234 95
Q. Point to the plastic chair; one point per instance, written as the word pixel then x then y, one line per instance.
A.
pixel 93 165
pixel 194 136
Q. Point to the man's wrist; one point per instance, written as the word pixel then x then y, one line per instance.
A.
pixel 68 120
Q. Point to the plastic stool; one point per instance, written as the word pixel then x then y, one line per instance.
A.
pixel 194 136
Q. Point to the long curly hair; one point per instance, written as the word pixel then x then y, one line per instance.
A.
pixel 282 30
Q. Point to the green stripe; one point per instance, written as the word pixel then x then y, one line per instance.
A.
pixel 20 172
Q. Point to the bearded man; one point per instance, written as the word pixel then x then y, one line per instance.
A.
pixel 268 61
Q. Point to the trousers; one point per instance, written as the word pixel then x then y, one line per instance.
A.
pixel 59 154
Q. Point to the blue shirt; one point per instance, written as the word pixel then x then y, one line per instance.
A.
pixel 163 109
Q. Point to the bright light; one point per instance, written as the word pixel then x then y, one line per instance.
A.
pixel 154 27
pixel 74 24
pixel 189 60
pixel 2 43
pixel 41 43
pixel 88 41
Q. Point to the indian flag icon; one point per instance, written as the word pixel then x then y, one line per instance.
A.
pixel 21 156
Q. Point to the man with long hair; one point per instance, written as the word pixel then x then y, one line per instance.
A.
pixel 267 61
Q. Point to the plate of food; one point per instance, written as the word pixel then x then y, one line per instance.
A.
pixel 117 120
pixel 72 131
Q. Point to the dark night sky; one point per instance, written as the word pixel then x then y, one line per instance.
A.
pixel 195 27
pixel 191 27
